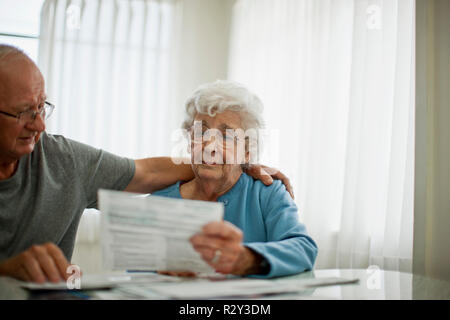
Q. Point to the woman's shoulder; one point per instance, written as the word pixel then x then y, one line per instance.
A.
pixel 271 199
pixel 259 186
pixel 172 191
pixel 276 190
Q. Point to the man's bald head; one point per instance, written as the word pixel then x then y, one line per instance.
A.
pixel 16 70
pixel 10 54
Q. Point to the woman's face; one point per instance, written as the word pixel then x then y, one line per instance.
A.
pixel 218 145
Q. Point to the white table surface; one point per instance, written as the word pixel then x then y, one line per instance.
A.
pixel 373 284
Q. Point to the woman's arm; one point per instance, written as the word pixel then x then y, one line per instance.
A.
pixel 289 249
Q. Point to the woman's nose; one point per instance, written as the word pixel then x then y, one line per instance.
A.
pixel 212 145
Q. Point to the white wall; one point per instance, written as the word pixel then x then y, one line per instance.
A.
pixel 204 46
pixel 432 178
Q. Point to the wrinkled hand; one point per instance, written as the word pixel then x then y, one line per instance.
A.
pixel 220 245
pixel 267 174
pixel 39 263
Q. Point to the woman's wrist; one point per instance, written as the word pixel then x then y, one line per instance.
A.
pixel 253 262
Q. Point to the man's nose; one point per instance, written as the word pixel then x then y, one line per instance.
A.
pixel 38 124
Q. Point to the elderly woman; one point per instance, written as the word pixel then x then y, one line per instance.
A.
pixel 261 234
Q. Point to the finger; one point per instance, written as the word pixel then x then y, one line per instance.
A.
pixel 258 172
pixel 59 259
pixel 167 273
pixel 288 187
pixel 208 258
pixel 213 244
pixel 265 176
pixel 291 192
pixel 225 268
pixel 187 274
pixel 206 252
pixel 33 269
pixel 48 266
pixel 22 274
pixel 271 171
pixel 222 229
pixel 285 180
pixel 211 257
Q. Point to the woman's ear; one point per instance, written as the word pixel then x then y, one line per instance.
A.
pixel 189 138
pixel 189 146
pixel 247 157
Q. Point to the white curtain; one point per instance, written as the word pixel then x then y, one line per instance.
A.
pixel 110 69
pixel 337 81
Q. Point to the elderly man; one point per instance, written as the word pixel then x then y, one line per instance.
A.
pixel 46 181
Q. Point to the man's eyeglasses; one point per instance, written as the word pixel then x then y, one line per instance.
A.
pixel 30 115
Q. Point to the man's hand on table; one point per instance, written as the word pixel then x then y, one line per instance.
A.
pixel 39 263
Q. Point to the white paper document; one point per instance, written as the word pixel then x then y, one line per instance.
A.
pixel 221 289
pixel 241 288
pixel 152 232
pixel 101 281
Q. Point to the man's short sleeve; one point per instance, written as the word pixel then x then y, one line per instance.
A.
pixel 99 169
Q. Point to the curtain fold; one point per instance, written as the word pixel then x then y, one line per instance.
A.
pixel 108 66
pixel 108 69
pixel 337 81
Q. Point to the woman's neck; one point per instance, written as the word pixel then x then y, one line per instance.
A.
pixel 208 190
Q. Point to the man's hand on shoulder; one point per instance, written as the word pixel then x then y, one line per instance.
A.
pixel 39 263
pixel 267 174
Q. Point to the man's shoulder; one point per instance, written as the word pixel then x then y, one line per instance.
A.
pixel 54 142
pixel 53 152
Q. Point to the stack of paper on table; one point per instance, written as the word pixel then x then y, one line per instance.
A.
pixel 156 286
pixel 243 288
pixel 152 233
pixel 101 281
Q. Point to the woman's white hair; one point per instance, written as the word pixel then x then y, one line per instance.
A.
pixel 221 95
